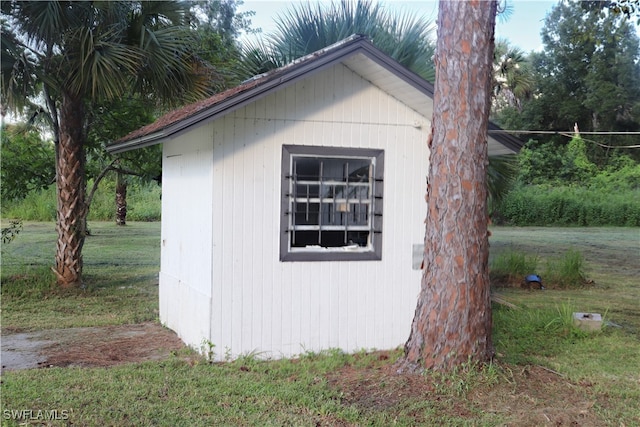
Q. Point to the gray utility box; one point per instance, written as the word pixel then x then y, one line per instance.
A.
pixel 588 321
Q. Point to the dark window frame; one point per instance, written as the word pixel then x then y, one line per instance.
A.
pixel 374 249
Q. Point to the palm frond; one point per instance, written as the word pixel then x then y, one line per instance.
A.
pixel 258 57
pixel 513 79
pixel 309 27
pixel 41 22
pixel 18 71
pixel 170 70
pixel 101 60
pixel 501 175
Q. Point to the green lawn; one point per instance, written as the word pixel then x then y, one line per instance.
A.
pixel 121 267
pixel 546 372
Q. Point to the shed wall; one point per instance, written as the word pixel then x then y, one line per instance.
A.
pixel 259 304
pixel 186 236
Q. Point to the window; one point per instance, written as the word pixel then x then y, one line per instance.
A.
pixel 331 204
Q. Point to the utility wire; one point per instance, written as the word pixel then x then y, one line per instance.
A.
pixel 572 134
pixel 560 132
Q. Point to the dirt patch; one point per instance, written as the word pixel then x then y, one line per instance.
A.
pixel 535 396
pixel 524 396
pixel 88 347
pixel 376 387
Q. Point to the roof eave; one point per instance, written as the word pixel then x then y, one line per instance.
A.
pixel 297 71
pixel 135 143
pixel 309 65
pixel 504 138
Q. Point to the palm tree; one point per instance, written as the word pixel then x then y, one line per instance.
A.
pixel 74 54
pixel 513 79
pixel 307 27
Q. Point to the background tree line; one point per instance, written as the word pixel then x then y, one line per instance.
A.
pixel 588 73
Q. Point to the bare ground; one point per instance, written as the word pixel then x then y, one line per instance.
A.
pixel 88 347
pixel 525 396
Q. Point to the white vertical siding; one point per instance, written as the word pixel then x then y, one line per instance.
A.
pixel 186 250
pixel 286 308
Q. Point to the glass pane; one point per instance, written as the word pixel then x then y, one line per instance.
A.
pixel 360 238
pixel 304 238
pixel 307 168
pixel 358 192
pixel 334 214
pixel 335 239
pixel 307 190
pixel 344 188
pixel 327 191
pixel 359 214
pixel 306 213
pixel 340 191
pixel 359 170
pixel 332 169
pixel 327 213
pixel 332 239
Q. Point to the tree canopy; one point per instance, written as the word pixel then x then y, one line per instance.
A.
pixel 309 27
pixel 27 161
pixel 588 73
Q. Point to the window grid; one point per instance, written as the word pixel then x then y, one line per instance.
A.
pixel 337 203
pixel 318 209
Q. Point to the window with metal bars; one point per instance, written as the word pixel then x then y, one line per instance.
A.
pixel 331 203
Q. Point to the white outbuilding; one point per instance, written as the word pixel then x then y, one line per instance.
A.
pixel 293 206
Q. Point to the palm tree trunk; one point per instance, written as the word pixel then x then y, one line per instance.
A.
pixel 71 186
pixel 452 322
pixel 121 200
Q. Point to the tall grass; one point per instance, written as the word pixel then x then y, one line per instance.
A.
pixel 567 271
pixel 511 267
pixel 526 335
pixel 36 206
pixel 143 200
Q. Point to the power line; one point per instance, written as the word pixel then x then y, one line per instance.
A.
pixel 570 134
pixel 560 132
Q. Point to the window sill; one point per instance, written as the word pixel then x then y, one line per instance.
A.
pixel 330 254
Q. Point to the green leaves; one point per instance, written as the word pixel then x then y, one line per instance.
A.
pixel 170 71
pixel 102 50
pixel 308 27
pixel 27 162
pixel 513 80
pixel 95 63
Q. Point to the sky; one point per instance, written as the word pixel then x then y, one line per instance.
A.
pixel 522 28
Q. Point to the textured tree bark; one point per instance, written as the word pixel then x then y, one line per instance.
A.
pixel 452 322
pixel 121 200
pixel 71 221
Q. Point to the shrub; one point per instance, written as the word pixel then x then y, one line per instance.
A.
pixel 143 203
pixel 564 205
pixel 11 231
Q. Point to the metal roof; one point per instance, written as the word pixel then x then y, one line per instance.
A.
pixel 355 52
